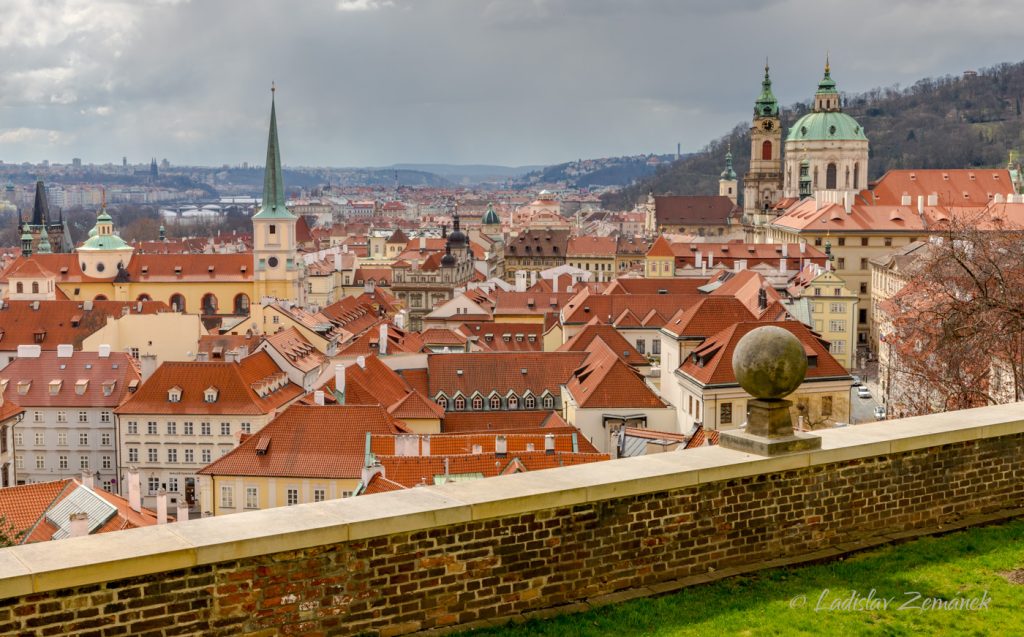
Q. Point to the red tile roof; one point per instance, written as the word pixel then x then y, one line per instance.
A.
pixel 62 322
pixel 661 248
pixel 538 243
pixel 711 362
pixel 687 285
pixel 694 210
pixel 107 380
pixel 591 247
pixel 610 336
pixel 501 421
pixel 308 442
pixel 399 341
pixel 504 337
pixel 25 507
pixel 236 383
pixel 606 381
pixel 647 309
pixel 416 406
pixel 411 471
pixel 441 337
pixel 296 349
pixel 949 185
pixel 565 439
pixel 501 372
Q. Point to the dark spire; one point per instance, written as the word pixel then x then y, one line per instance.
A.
pixel 40 209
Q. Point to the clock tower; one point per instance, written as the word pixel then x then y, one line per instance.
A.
pixel 762 185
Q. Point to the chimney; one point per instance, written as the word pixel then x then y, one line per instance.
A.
pixel 711 260
pixel 339 378
pixel 382 344
pixel 782 265
pixel 344 249
pixel 905 200
pixel 549 443
pixel 520 281
pixel 147 365
pixel 318 397
pixel 182 515
pixel 697 260
pixel 425 445
pixel 920 204
pixel 104 351
pixel 933 199
pixel 87 479
pixel 361 361
pixel 65 351
pixel 79 524
pixel 785 250
pixel 87 305
pixel 161 506
pixel 847 204
pixel 29 351
pixel 423 243
pixel 337 261
pixel 500 446
pixel 134 490
pixel 554 285
pixel 533 278
pixel 803 246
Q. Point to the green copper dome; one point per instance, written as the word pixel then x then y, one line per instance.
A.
pixel 826 126
pixel 490 217
pixel 102 236
pixel 728 174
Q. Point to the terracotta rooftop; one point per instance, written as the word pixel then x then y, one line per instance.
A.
pixel 711 362
pixel 694 210
pixel 485 372
pixel 951 187
pixel 606 381
pixel 84 379
pixel 591 247
pixel 254 386
pixel 296 349
pixel 504 337
pixel 308 442
pixel 610 336
pixel 502 421
pixel 52 323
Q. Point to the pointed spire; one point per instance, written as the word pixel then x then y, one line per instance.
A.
pixel 728 174
pixel 273 178
pixel 26 241
pixel 766 104
pixel 40 208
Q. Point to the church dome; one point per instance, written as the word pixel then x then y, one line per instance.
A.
pixel 491 217
pixel 448 261
pixel 826 126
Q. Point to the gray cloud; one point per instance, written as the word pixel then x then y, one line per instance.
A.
pixel 371 82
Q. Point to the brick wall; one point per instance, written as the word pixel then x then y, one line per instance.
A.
pixel 488 568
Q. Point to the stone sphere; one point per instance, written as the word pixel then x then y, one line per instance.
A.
pixel 769 362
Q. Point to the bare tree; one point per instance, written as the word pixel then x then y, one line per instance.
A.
pixel 957 337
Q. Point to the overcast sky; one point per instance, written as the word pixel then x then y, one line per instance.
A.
pixel 375 82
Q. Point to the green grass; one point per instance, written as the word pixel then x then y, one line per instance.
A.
pixel 964 564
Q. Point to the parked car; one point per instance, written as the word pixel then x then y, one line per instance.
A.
pixel 879 413
pixel 856 380
pixel 863 392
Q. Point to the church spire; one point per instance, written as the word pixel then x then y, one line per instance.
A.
pixel 728 173
pixel 40 207
pixel 766 104
pixel 273 178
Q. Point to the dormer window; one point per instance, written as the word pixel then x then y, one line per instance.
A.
pixel 210 395
pixel 81 386
pixel 174 395
pixel 23 387
pixel 108 387
pixel 55 387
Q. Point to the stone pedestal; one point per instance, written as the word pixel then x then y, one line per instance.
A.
pixel 769 431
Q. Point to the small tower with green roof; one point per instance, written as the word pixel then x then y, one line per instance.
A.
pixel 490 224
pixel 727 181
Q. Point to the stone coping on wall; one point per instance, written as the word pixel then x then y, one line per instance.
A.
pixel 48 566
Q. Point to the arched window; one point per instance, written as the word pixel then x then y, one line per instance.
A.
pixel 177 302
pixel 460 403
pixel 242 304
pixel 442 402
pixel 830 176
pixel 530 402
pixel 21 287
pixel 513 402
pixel 766 149
pixel 144 297
pixel 209 303
pixel 100 297
pixel 495 402
pixel 478 403
pixel 549 402
pixel 856 175
pixel 847 176
pixel 35 287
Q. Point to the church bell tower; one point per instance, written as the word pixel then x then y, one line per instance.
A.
pixel 762 185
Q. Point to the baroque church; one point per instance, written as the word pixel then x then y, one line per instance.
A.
pixel 42 233
pixel 825 155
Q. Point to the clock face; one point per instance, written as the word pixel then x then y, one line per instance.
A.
pixel 767 124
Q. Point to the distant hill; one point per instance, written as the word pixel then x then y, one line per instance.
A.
pixel 469 173
pixel 594 173
pixel 946 122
